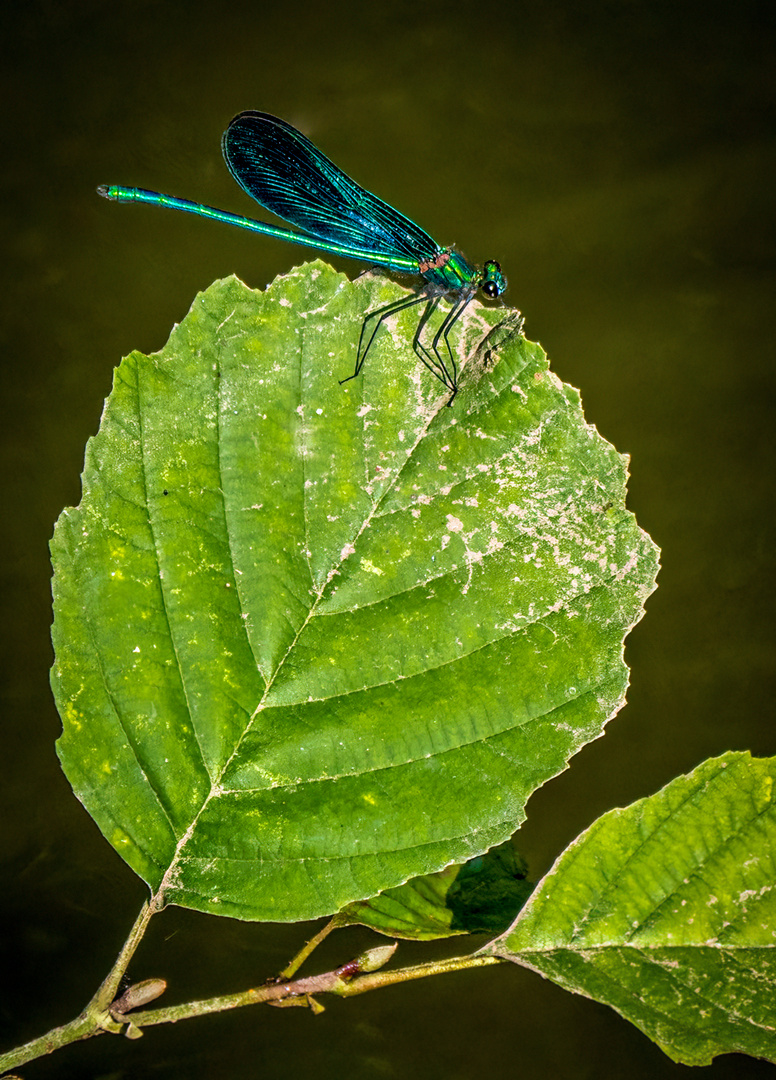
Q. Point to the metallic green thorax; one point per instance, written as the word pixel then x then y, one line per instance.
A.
pixel 452 272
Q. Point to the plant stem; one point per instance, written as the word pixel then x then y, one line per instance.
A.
pixel 291 969
pixel 107 992
pixel 331 982
pixel 80 1028
pixel 379 979
pixel 95 1018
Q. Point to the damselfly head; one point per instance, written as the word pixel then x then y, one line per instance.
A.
pixel 493 282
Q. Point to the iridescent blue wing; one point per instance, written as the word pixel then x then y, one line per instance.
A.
pixel 287 174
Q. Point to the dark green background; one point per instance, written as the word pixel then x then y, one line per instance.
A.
pixel 618 159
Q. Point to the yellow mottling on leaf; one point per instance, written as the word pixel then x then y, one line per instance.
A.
pixel 371 568
pixel 73 716
pixel 764 793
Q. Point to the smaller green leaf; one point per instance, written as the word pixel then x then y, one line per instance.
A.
pixel 666 911
pixel 479 896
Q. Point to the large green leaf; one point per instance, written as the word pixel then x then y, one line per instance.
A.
pixel 667 912
pixel 311 640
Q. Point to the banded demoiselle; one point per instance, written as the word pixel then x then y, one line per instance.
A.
pixel 283 171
